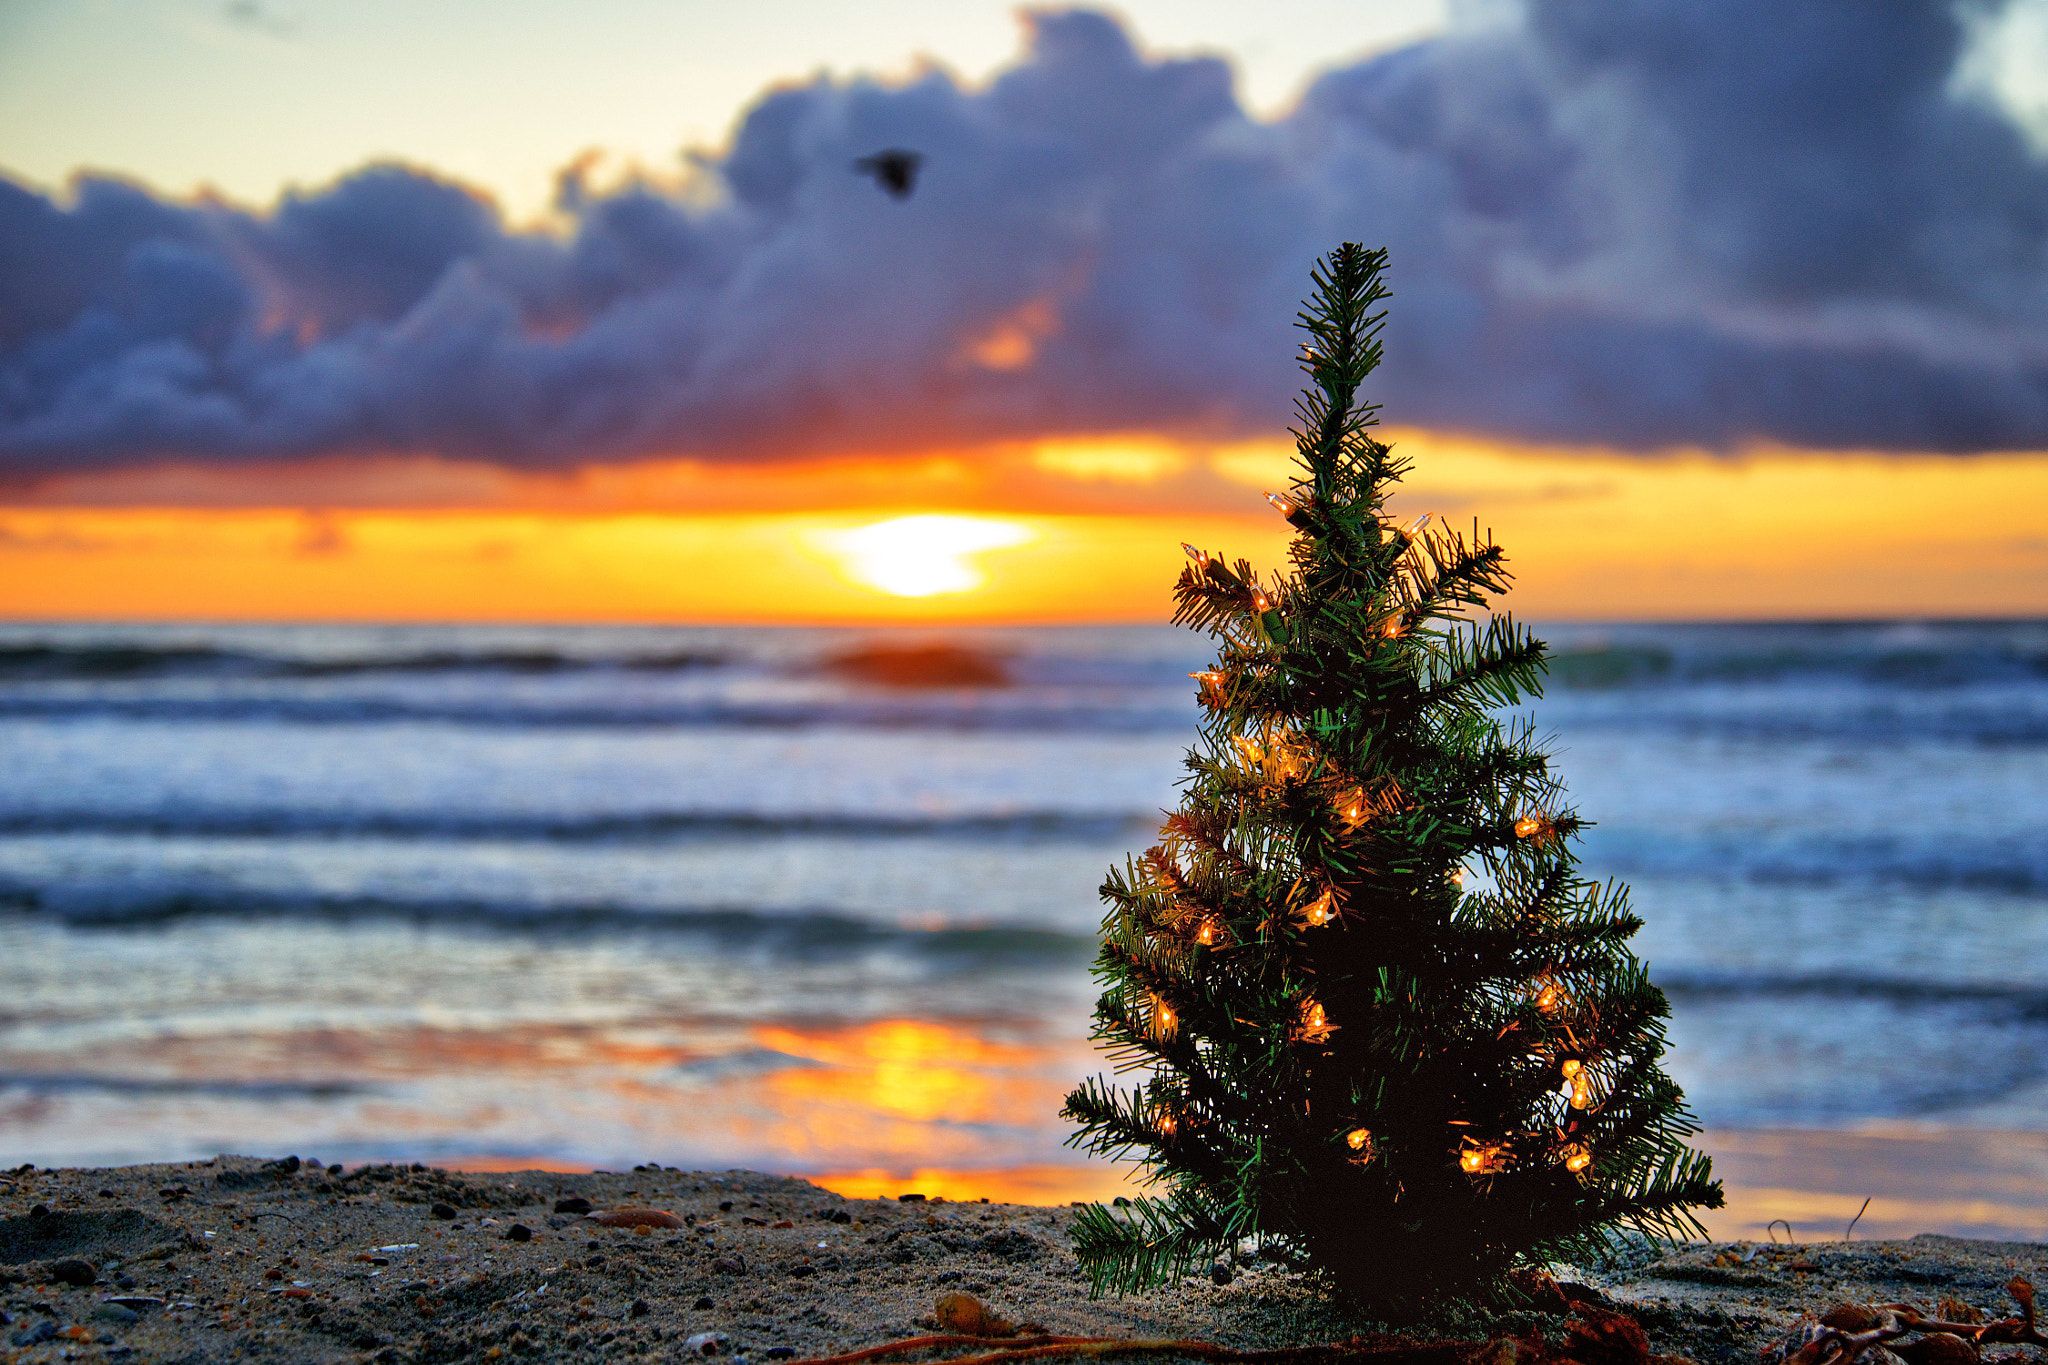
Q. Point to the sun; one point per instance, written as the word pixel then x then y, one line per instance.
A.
pixel 923 555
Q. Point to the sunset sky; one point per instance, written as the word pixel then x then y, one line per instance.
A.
pixel 531 311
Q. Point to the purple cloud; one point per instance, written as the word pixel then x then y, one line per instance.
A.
pixel 1639 225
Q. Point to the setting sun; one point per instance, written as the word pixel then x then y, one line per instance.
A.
pixel 922 556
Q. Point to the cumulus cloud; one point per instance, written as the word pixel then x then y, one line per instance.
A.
pixel 1631 223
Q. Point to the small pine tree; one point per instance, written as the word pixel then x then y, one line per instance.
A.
pixel 1382 1019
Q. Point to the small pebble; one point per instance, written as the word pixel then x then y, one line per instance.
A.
pixel 115 1313
pixel 698 1344
pixel 703 1302
pixel 519 1232
pixel 574 1203
pixel 838 1216
pixel 638 1309
pixel 1220 1273
pixel 779 1352
pixel 36 1335
pixel 445 1212
pixel 73 1271
pixel 910 1199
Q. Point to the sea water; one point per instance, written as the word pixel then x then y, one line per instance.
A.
pixel 823 901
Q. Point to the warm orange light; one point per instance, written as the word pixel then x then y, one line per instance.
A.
pixel 1206 934
pixel 1201 557
pixel 1527 825
pixel 1315 1022
pixel 1351 807
pixel 1572 1067
pixel 1577 1158
pixel 1550 997
pixel 1248 749
pixel 1261 602
pixel 1358 1139
pixel 1321 910
pixel 1582 1091
pixel 1164 1020
pixel 1479 1160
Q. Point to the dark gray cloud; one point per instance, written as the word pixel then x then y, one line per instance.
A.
pixel 1632 223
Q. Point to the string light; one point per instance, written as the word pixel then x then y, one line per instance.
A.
pixel 1167 1124
pixel 1582 1091
pixel 1456 876
pixel 1164 1020
pixel 1261 602
pixel 1212 684
pixel 1351 807
pixel 1248 749
pixel 1321 910
pixel 1205 933
pixel 1359 1140
pixel 1528 825
pixel 1576 1157
pixel 1391 628
pixel 1550 997
pixel 1479 1160
pixel 1285 760
pixel 1285 506
pixel 1315 1022
pixel 1572 1067
pixel 1201 557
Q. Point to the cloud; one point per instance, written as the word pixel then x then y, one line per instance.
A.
pixel 1637 225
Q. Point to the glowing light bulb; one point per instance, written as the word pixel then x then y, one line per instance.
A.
pixel 1205 934
pixel 1168 1125
pixel 1163 1017
pixel 1582 1091
pixel 1321 910
pixel 1577 1158
pixel 1472 1159
pixel 1549 998
pixel 1315 1022
pixel 1261 602
pixel 1351 807
pixel 1527 825
pixel 1285 506
pixel 1414 528
pixel 1201 557
pixel 1212 684
pixel 1572 1067
pixel 1248 748
pixel 1358 1139
pixel 1391 628
pixel 1456 876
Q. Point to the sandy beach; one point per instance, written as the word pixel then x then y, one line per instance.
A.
pixel 247 1259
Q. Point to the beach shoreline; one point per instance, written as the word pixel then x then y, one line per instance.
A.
pixel 244 1258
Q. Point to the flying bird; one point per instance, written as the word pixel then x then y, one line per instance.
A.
pixel 894 169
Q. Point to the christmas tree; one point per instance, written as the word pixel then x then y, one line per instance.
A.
pixel 1380 1018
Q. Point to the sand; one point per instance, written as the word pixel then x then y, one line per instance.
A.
pixel 242 1259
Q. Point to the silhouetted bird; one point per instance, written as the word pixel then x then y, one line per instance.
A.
pixel 895 170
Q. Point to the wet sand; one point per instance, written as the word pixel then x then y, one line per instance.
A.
pixel 239 1258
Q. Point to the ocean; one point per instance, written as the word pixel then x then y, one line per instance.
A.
pixel 822 901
